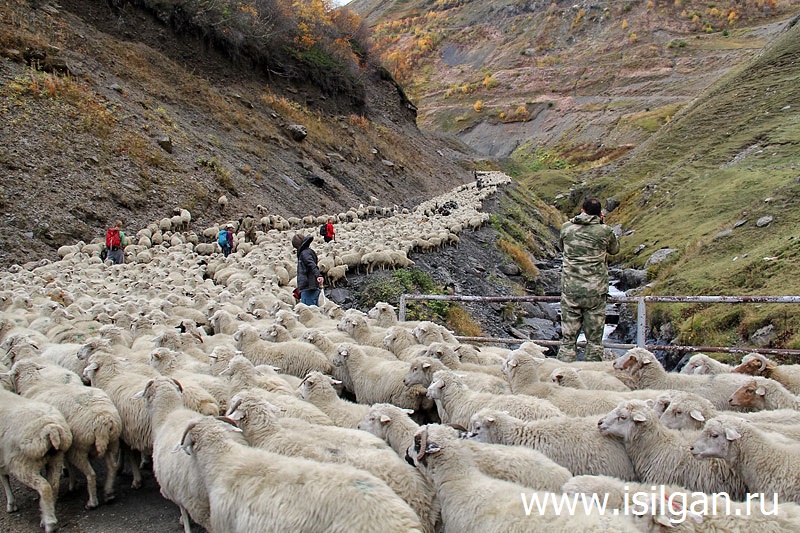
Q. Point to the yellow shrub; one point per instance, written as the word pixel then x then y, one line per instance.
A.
pixel 478 106
pixel 463 324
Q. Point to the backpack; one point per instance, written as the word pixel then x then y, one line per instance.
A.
pixel 222 240
pixel 323 230
pixel 112 238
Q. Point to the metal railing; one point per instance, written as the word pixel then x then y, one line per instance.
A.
pixel 641 318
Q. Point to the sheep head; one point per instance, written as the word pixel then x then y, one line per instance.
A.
pixel 622 420
pixel 750 395
pixel 755 364
pixel 717 439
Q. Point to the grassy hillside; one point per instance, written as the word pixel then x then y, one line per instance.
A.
pixel 701 184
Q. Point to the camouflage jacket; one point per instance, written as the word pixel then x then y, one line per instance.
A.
pixel 586 243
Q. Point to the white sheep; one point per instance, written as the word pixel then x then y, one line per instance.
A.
pixel 448 355
pixel 402 343
pixel 33 437
pixel 242 374
pixel 262 429
pixel 456 403
pixel 573 443
pixel 318 389
pixel 255 490
pixel 661 455
pixel 766 464
pixel 684 410
pixel 376 380
pixel 472 501
pixel 422 369
pixel 427 332
pixel 487 356
pixel 108 373
pixel 290 406
pixel 756 364
pixel 176 473
pixel 293 357
pixel 701 363
pixel 94 421
pixel 357 327
pixel 336 273
pixel 648 373
pixel 577 378
pixel 516 464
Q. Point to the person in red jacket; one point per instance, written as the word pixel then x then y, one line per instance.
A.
pixel 330 233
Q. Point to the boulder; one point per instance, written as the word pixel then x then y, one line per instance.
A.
pixel 659 256
pixel 764 221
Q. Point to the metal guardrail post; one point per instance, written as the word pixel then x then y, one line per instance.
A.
pixel 402 311
pixel 641 322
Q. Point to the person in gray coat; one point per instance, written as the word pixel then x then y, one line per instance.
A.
pixel 309 278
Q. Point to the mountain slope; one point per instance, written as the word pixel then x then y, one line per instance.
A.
pixel 587 80
pixel 120 110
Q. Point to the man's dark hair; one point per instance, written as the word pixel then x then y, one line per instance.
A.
pixel 592 207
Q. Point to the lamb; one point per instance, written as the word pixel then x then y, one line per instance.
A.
pixel 422 370
pixel 336 273
pixel 318 390
pixel 262 429
pixel 683 410
pixel 661 455
pixel 756 364
pixel 764 394
pixel 177 475
pixel 376 380
pixel 649 374
pixel 516 464
pixel 573 443
pixel 767 465
pixel 94 421
pixel 456 403
pixel 577 378
pixel 293 357
pixel 472 501
pixel 701 363
pixel 255 490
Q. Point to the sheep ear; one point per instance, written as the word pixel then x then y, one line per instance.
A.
pixel 426 365
pixel 761 391
pixel 142 392
pixel 432 447
pixel 732 434
pixel 512 363
pixel 639 417
pixel 385 419
pixel 187 440
pixel 408 411
pixel 235 415
pixel 650 403
pixel 336 381
pixel 178 384
pixel 490 419
pixel 697 415
pixel 646 361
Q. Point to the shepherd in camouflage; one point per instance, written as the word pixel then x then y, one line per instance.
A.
pixel 586 242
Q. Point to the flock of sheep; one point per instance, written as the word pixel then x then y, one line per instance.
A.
pixel 207 371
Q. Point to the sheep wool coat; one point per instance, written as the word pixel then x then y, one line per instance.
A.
pixel 307 269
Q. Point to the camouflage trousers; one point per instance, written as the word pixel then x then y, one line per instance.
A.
pixel 588 313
